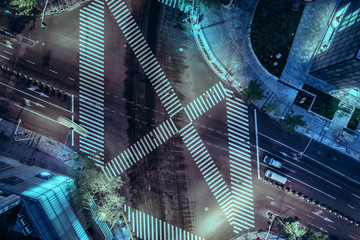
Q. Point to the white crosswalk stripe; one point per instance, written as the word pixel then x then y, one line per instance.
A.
pixel 144 146
pixel 171 3
pixel 208 168
pixel 240 163
pixel 91 78
pixel 144 54
pixel 202 104
pixel 148 227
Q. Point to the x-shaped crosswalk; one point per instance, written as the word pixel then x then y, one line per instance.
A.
pixel 237 201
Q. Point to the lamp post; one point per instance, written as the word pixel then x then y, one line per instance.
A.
pixel 301 153
pixel 70 129
pixel 42 16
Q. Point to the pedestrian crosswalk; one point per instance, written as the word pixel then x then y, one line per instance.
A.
pixel 207 168
pixel 159 135
pixel 147 227
pixel 141 148
pixel 91 79
pixel 145 56
pixel 171 3
pixel 240 163
pixel 205 101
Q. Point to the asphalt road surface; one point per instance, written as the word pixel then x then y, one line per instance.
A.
pixel 167 192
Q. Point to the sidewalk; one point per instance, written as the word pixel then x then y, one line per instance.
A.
pixel 258 235
pixel 223 37
pixel 34 149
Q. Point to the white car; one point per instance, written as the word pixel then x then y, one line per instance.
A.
pixel 272 162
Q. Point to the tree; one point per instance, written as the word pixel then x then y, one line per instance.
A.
pixel 91 185
pixel 253 92
pixel 316 236
pixel 294 230
pixel 200 6
pixel 291 122
pixel 23 6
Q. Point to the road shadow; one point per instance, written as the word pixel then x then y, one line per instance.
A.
pixel 17 24
pixel 46 59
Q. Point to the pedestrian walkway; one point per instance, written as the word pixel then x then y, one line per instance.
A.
pixel 145 56
pixel 146 227
pixel 91 80
pixel 141 148
pixel 163 132
pixel 240 163
pixel 208 169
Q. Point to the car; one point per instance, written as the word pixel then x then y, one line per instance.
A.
pixel 273 162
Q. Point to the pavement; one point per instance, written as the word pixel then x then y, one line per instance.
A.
pixel 223 37
pixel 34 148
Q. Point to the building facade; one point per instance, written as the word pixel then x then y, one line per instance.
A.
pixel 337 60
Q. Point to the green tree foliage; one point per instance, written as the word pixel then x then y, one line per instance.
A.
pixel 23 6
pixel 253 92
pixel 200 6
pixel 272 106
pixel 294 230
pixel 316 236
pixel 291 122
pixel 91 184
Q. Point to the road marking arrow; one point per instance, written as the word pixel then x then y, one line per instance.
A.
pixel 328 219
pixel 8 44
pixel 318 212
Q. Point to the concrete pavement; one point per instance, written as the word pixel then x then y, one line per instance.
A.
pixel 223 37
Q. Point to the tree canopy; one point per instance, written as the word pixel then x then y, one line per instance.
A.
pixel 291 122
pixel 91 184
pixel 253 92
pixel 23 6
pixel 294 230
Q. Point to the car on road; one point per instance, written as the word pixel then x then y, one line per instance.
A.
pixel 275 176
pixel 273 162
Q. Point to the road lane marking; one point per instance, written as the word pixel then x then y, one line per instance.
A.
pixel 30 62
pixel 350 206
pixel 290 207
pixel 310 216
pixel 352 236
pixel 320 163
pixel 356 195
pixel 302 168
pixel 4 57
pixel 289 169
pixel 331 226
pixel 35 97
pixel 320 228
pixel 8 52
pixel 257 146
pixel 269 197
pixel 53 71
pixel 71 79
pixel 37 114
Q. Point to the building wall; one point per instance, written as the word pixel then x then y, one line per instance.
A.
pixel 338 65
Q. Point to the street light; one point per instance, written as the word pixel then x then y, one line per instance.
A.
pixel 70 129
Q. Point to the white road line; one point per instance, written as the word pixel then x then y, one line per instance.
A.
pixel 35 97
pixel 38 114
pixel 257 145
pixel 8 52
pixel 30 62
pixel 356 195
pixel 290 207
pixel 284 159
pixel 71 79
pixel 352 236
pixel 53 71
pixel 270 197
pixel 320 163
pixel 4 57
pixel 310 216
pixel 331 226
pixel 350 206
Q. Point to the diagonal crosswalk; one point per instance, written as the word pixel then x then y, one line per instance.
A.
pixel 91 79
pixel 145 56
pixel 207 168
pixel 148 227
pixel 240 163
pixel 163 132
pixel 141 148
pixel 171 3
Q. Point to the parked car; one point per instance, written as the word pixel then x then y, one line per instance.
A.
pixel 273 162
